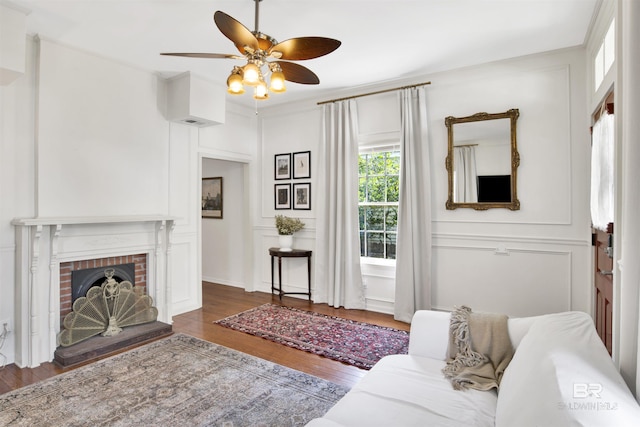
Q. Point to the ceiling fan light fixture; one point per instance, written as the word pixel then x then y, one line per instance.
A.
pixel 277 82
pixel 261 92
pixel 234 82
pixel 262 53
pixel 251 74
pixel 277 78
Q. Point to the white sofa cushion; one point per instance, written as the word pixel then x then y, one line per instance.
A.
pixel 429 335
pixel 405 390
pixel 562 375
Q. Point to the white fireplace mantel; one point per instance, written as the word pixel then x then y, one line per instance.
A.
pixel 70 220
pixel 43 243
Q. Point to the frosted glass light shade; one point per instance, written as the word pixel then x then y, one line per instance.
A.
pixel 251 74
pixel 234 84
pixel 277 82
pixel 261 91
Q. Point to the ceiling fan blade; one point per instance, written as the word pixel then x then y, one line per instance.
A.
pixel 205 55
pixel 304 48
pixel 240 35
pixel 297 73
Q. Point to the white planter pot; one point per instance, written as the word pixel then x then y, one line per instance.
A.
pixel 285 242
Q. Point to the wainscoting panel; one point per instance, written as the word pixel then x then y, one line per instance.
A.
pixel 515 281
pixel 7 302
pixel 379 286
pixel 186 291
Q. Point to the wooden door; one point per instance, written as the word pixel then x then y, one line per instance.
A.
pixel 603 262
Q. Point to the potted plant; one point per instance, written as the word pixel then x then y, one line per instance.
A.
pixel 286 226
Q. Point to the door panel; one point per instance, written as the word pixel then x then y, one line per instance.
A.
pixel 603 247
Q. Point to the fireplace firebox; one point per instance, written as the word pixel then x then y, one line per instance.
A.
pixel 91 273
pixel 85 279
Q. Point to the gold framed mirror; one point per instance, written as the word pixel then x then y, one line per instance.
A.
pixel 482 161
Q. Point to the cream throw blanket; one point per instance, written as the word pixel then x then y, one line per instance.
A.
pixel 479 349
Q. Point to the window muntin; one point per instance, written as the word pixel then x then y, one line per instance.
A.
pixel 379 189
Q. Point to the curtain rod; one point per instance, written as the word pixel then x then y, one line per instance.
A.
pixel 373 93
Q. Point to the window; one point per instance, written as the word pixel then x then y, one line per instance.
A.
pixel 605 57
pixel 378 202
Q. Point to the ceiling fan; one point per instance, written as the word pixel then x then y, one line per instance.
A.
pixel 263 51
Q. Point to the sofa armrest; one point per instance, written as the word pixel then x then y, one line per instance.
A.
pixel 429 335
pixel 518 328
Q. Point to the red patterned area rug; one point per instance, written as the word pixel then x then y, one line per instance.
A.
pixel 355 343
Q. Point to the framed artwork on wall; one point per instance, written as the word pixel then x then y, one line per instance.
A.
pixel 282 165
pixel 212 197
pixel 282 196
pixel 302 196
pixel 302 165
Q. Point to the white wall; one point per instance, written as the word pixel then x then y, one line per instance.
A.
pixel 289 129
pixel 184 197
pixel 629 202
pixel 531 261
pixel 535 260
pixel 17 180
pixel 230 151
pixel 212 249
pixel 102 142
pixel 82 135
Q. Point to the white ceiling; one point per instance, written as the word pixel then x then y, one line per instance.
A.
pixel 382 40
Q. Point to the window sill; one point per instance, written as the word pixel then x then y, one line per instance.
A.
pixel 378 261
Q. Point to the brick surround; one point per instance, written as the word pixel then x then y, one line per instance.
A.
pixel 140 261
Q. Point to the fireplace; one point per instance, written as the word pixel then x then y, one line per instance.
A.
pixel 49 250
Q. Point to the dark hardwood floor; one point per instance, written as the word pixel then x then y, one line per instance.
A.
pixel 220 301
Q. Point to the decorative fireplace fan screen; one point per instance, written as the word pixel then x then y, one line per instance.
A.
pixel 106 310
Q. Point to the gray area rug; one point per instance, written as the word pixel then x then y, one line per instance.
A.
pixel 177 381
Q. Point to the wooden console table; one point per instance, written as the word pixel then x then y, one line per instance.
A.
pixel 293 253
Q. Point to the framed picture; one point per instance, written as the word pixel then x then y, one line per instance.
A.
pixel 282 196
pixel 282 164
pixel 302 196
pixel 302 165
pixel 212 197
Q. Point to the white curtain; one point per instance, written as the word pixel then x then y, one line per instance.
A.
pixel 338 279
pixel 465 177
pixel 413 247
pixel 602 147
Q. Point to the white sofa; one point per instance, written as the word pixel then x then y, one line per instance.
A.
pixel 560 375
